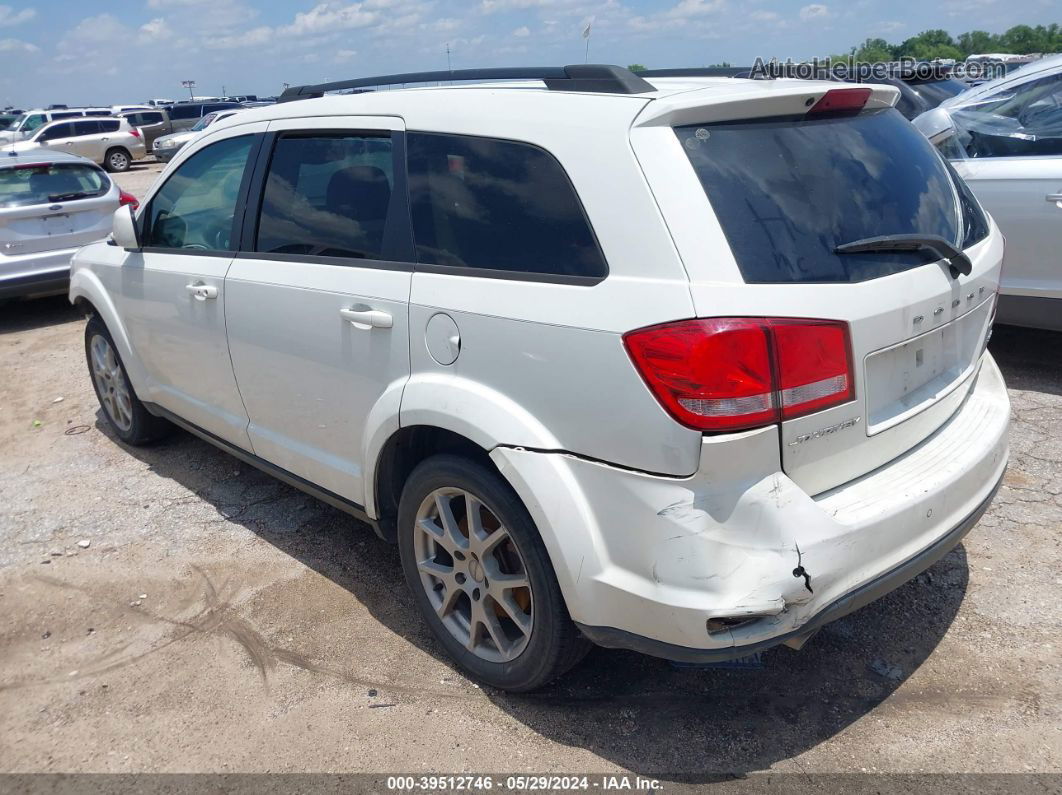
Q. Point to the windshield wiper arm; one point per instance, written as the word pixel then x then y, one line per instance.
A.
pixel 67 197
pixel 957 260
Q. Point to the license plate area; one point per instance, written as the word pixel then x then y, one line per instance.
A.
pixel 911 376
pixel 58 224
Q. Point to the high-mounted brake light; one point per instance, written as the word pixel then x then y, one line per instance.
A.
pixel 128 198
pixel 728 374
pixel 21 166
pixel 839 100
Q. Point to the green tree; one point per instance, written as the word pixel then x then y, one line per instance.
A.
pixel 636 67
pixel 874 51
pixel 930 44
pixel 1021 39
pixel 977 41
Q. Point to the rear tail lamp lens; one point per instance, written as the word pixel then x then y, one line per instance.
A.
pixel 128 198
pixel 727 374
pixel 134 132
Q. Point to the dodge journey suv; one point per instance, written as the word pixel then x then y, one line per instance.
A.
pixel 690 367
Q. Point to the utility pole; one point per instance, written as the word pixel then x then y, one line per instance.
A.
pixel 449 66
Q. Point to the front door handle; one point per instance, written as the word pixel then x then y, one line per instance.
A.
pixel 1055 197
pixel 201 291
pixel 364 316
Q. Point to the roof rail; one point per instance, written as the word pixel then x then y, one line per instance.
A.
pixel 580 77
pixel 702 71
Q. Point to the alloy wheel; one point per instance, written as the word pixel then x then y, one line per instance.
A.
pixel 111 383
pixel 119 162
pixel 474 575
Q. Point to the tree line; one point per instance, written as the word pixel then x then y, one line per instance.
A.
pixel 930 44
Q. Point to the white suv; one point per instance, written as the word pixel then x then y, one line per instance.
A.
pixel 690 367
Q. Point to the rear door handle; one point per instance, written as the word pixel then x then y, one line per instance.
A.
pixel 201 291
pixel 1054 197
pixel 367 317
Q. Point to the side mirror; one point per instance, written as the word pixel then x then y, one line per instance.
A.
pixel 123 228
pixel 936 125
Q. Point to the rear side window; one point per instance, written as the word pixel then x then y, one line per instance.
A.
pixel 86 127
pixel 186 111
pixel 496 205
pixel 787 192
pixel 327 196
pixel 66 115
pixel 196 207
pixel 22 186
pixel 109 125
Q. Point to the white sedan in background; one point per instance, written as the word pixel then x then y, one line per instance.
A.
pixel 1005 139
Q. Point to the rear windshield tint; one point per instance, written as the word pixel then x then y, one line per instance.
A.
pixel 787 192
pixel 46 183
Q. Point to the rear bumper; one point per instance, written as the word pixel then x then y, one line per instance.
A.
pixel 35 274
pixel 865 594
pixel 644 562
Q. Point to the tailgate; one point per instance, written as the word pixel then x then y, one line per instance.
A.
pixel 793 214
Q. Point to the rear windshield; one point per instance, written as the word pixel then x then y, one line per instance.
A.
pixel 46 183
pixel 787 192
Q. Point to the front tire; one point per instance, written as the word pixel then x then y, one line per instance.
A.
pixel 481 577
pixel 117 160
pixel 125 414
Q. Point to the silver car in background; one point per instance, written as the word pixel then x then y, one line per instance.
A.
pixel 51 204
pixel 1005 139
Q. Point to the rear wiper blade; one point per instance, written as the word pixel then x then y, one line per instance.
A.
pixel 956 259
pixel 67 197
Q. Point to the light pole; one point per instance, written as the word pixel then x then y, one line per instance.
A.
pixel 189 84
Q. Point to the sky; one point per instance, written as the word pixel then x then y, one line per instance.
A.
pixel 119 51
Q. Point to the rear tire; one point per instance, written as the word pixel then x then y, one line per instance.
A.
pixel 117 160
pixel 485 586
pixel 125 414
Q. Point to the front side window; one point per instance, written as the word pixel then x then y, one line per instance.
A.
pixel 150 118
pixel 31 122
pixel 55 131
pixel 196 207
pixel 1014 122
pixel 789 191
pixel 497 205
pixel 327 195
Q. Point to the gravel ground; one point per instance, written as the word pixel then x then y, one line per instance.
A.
pixel 171 609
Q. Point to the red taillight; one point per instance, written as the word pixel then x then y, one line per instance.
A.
pixel 725 374
pixel 838 100
pixel 128 198
pixel 134 132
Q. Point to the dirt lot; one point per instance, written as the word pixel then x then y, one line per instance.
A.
pixel 171 609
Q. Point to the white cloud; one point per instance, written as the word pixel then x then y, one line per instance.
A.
pixel 250 38
pixel 330 16
pixel 695 8
pixel 490 6
pixel 522 32
pixel 16 45
pixel 154 30
pixel 342 56
pixel 9 17
pixel 764 16
pixel 814 11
